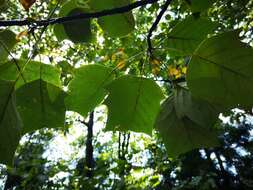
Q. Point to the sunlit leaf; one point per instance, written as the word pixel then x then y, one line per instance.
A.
pixel 173 71
pixel 37 109
pixel 184 70
pixel 21 35
pixel 86 90
pixel 121 64
pixel 133 104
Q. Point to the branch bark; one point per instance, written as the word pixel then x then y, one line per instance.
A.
pixel 154 25
pixel 60 20
pixel 89 147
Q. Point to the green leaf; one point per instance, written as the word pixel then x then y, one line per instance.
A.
pixel 2 2
pixel 179 131
pixel 116 25
pixel 10 123
pixel 197 110
pixel 33 71
pixel 133 104
pixel 3 5
pixel 77 31
pixel 36 108
pixel 86 90
pixel 199 5
pixel 186 36
pixel 7 42
pixel 221 71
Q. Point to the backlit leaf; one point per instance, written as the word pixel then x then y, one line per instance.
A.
pixel 133 104
pixel 21 35
pixel 86 90
pixel 121 64
pixel 33 71
pixel 37 109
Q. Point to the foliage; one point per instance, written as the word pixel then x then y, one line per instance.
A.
pixel 225 167
pixel 169 76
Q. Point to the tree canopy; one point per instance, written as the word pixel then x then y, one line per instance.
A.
pixel 166 71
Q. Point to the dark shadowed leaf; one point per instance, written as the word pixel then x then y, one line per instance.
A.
pixel 221 71
pixel 199 5
pixel 115 25
pixel 7 42
pixel 197 110
pixel 186 36
pixel 180 133
pixel 77 31
pixel 3 5
pixel 10 123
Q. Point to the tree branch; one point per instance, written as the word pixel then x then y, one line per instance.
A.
pixel 90 163
pixel 60 20
pixel 154 25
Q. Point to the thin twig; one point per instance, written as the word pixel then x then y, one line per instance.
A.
pixel 83 122
pixel 119 145
pixel 127 144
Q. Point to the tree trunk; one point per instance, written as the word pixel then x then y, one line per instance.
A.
pixel 89 146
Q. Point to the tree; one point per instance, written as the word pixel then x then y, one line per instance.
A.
pixel 166 66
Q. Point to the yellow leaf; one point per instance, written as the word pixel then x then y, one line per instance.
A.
pixel 121 65
pixel 156 70
pixel 27 3
pixel 172 71
pixel 121 49
pixel 21 34
pixel 155 61
pixel 105 58
pixel 178 75
pixel 113 58
pixel 184 70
